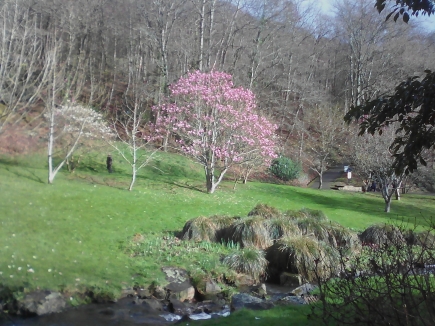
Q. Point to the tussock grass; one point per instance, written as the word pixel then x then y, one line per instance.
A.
pixel 265 211
pixel 250 231
pixel 293 254
pixel 250 261
pixel 341 237
pixel 282 227
pixel 329 232
pixel 303 255
pixel 313 227
pixel 315 214
pixel 223 223
pixel 200 229
pixel 306 213
pixel 294 214
pixel 380 234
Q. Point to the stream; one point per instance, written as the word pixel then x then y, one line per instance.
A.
pixel 126 312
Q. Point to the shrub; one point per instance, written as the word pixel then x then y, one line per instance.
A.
pixel 390 283
pixel 285 169
pixel 425 238
pixel 249 261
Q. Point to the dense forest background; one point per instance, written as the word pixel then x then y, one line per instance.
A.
pixel 306 68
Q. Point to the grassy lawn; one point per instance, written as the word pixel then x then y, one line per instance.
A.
pixel 71 235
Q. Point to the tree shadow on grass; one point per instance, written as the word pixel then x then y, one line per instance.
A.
pixel 369 206
pixel 102 181
pixel 186 185
pixel 401 212
pixel 26 173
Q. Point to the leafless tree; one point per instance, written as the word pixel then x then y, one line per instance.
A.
pixel 369 44
pixel 326 130
pixel 373 160
pixel 131 118
pixel 21 50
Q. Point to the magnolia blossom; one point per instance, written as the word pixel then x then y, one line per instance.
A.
pixel 215 122
pixel 77 120
pixel 68 126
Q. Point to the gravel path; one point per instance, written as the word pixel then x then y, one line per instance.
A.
pixel 329 177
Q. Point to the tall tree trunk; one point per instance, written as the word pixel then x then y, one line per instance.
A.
pixel 201 36
pixel 52 103
pixel 209 180
pixel 133 176
pixel 387 205
pixel 210 33
pixel 134 149
pixel 397 193
pixel 50 147
pixel 320 180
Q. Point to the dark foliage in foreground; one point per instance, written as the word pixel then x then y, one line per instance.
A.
pixel 390 283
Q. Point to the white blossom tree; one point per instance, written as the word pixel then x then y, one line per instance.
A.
pixel 69 124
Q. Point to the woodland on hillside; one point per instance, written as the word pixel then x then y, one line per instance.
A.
pixel 306 68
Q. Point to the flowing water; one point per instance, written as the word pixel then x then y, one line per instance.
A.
pixel 124 312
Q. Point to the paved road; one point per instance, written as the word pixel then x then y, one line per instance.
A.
pixel 329 177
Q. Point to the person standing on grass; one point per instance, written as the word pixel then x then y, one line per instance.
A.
pixel 109 163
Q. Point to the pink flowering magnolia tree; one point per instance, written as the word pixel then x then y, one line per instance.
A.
pixel 216 123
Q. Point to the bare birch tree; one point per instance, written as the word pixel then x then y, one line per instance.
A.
pixel 20 61
pixel 130 123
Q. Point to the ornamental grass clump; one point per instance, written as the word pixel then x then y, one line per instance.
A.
pixel 294 215
pixel 250 231
pixel 249 261
pixel 314 214
pixel 303 255
pixel 330 232
pixel 313 227
pixel 199 229
pixel 265 211
pixel 380 234
pixel 223 223
pixel 305 213
pixel 282 227
pixel 341 237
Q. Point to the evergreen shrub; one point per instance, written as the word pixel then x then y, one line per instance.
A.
pixel 285 169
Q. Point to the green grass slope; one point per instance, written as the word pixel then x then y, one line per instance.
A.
pixel 71 235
